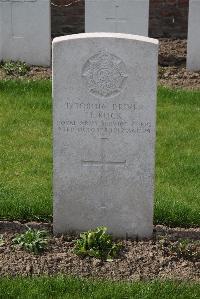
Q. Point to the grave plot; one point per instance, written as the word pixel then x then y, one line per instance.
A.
pixel 104 127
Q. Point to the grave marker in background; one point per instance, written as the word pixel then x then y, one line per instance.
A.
pixel 25 31
pixel 1 40
pixel 193 49
pixel 125 16
pixel 104 132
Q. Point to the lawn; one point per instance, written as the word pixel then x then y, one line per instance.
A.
pixel 26 154
pixel 68 288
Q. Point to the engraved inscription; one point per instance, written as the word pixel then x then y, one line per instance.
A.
pixel 104 118
pixel 105 74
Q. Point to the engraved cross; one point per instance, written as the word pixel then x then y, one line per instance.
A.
pixel 116 20
pixel 102 162
pixel 12 9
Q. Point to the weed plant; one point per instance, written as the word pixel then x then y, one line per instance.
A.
pixel 97 243
pixel 32 240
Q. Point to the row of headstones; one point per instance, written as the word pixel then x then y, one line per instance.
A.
pixel 25 26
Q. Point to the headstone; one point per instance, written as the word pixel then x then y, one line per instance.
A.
pixel 1 41
pixel 193 49
pixel 25 32
pixel 104 132
pixel 125 16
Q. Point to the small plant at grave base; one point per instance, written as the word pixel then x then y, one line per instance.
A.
pixel 182 248
pixel 15 68
pixel 1 240
pixel 32 240
pixel 187 249
pixel 97 243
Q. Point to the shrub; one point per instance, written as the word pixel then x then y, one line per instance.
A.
pixel 97 243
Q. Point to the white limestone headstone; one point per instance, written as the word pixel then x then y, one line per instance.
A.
pixel 125 16
pixel 1 40
pixel 193 48
pixel 104 132
pixel 25 31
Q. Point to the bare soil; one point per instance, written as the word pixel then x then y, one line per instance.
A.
pixel 138 260
pixel 172 67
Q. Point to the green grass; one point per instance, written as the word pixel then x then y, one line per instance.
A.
pixel 73 288
pixel 178 158
pixel 26 154
pixel 25 150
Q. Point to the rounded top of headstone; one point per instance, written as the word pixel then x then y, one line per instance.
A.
pixel 106 35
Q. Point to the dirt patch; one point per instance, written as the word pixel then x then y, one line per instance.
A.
pixel 179 77
pixel 172 52
pixel 35 72
pixel 138 260
pixel 172 67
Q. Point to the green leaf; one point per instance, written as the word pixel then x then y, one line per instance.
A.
pixel 32 240
pixel 97 243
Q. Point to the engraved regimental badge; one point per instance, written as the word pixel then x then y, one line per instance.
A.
pixel 105 74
